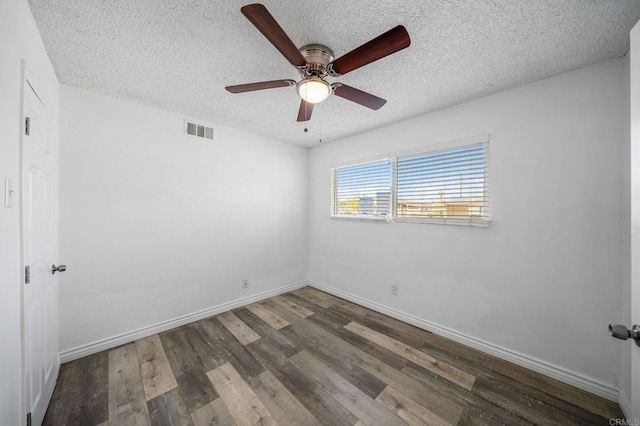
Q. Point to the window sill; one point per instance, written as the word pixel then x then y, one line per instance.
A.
pixel 362 218
pixel 455 222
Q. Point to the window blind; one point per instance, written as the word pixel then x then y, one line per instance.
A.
pixel 362 190
pixel 447 185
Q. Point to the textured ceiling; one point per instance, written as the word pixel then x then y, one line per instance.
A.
pixel 179 54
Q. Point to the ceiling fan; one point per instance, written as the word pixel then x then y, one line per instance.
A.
pixel 315 63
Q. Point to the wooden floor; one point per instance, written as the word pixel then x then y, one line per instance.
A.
pixel 308 358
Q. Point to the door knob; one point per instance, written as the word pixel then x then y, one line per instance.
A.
pixel 623 333
pixel 60 268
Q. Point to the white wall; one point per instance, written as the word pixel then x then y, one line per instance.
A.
pixel 544 280
pixel 155 224
pixel 19 39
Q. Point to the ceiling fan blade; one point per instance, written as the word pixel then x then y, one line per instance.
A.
pixel 267 25
pixel 241 88
pixel 390 42
pixel 304 113
pixel 358 96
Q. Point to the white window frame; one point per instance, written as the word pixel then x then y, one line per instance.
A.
pixel 334 214
pixel 393 158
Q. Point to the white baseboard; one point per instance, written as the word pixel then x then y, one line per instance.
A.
pixel 625 405
pixel 570 377
pixel 130 336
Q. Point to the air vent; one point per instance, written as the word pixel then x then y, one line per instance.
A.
pixel 198 130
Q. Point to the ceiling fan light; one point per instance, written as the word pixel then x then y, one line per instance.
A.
pixel 314 90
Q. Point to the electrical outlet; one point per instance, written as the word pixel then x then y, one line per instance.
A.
pixel 394 289
pixel 245 283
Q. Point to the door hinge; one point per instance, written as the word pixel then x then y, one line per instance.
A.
pixel 27 274
pixel 28 419
pixel 27 126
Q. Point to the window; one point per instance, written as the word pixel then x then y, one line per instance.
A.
pixel 449 185
pixel 362 190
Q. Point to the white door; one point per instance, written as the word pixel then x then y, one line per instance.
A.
pixel 635 216
pixel 40 245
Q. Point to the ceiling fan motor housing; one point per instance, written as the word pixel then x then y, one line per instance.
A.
pixel 318 57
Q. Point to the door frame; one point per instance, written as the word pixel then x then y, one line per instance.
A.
pixel 631 402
